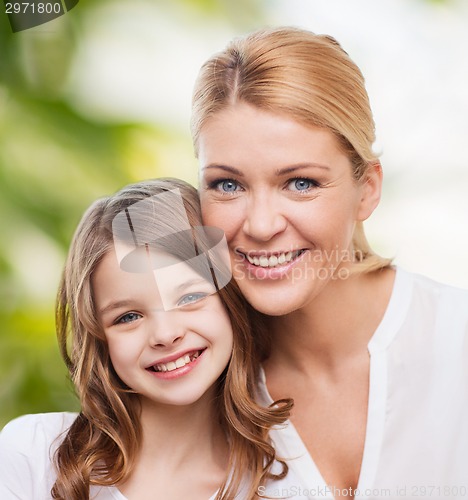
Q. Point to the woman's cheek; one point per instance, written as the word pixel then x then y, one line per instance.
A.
pixel 219 215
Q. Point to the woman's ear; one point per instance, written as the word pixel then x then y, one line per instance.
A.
pixel 371 190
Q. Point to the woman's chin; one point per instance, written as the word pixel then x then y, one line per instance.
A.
pixel 271 303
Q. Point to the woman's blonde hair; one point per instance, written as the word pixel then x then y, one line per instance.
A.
pixel 305 76
pixel 102 443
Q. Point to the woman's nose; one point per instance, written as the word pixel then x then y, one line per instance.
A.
pixel 263 218
pixel 165 329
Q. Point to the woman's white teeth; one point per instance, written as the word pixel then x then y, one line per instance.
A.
pixel 273 260
pixel 178 363
pixel 264 261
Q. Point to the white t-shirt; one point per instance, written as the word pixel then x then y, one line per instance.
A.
pixel 27 447
pixel 416 443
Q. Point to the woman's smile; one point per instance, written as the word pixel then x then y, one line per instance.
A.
pixel 270 265
pixel 284 194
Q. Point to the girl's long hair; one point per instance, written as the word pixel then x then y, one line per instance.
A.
pixel 101 445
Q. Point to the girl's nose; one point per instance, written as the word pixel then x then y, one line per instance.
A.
pixel 165 329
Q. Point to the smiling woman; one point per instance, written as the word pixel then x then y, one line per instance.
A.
pixel 157 342
pixel 370 353
pixel 300 174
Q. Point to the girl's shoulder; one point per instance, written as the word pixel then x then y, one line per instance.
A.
pixel 27 447
pixel 28 432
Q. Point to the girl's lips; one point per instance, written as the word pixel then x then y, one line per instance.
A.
pixel 175 356
pixel 176 372
pixel 277 272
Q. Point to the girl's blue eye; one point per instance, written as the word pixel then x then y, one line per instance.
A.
pixel 128 318
pixel 191 298
pixel 301 184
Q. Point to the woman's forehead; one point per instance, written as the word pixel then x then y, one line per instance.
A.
pixel 244 135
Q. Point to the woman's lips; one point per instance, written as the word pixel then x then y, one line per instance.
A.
pixel 271 266
pixel 269 260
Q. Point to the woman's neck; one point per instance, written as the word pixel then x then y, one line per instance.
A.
pixel 335 327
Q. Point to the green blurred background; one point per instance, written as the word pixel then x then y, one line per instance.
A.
pixel 101 97
pixel 56 157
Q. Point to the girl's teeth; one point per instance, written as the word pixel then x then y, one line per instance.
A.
pixel 178 363
pixel 273 260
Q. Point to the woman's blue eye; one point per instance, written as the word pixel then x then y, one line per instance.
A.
pixel 190 298
pixel 301 184
pixel 228 186
pixel 224 186
pixel 128 318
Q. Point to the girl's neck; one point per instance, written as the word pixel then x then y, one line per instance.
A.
pixel 183 432
pixel 183 453
pixel 334 327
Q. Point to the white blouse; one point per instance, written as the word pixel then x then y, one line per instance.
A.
pixel 27 447
pixel 416 443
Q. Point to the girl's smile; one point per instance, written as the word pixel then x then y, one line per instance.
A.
pixel 168 334
pixel 176 365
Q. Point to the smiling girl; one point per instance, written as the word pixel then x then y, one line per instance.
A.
pixel 157 343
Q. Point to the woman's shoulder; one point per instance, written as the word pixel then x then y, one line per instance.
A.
pixel 429 289
pixel 435 310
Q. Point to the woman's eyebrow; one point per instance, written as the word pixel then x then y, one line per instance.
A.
pixel 293 168
pixel 278 172
pixel 226 168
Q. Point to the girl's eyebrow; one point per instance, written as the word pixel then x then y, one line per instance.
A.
pixel 127 303
pixel 114 305
pixel 194 281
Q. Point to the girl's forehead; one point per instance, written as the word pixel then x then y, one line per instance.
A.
pixel 161 287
